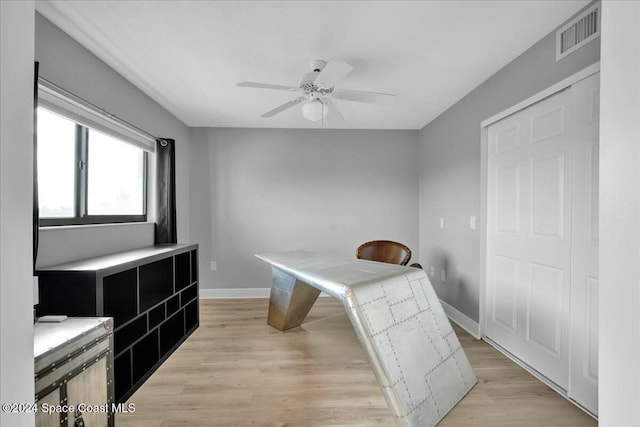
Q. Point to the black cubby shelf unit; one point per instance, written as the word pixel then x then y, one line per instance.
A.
pixel 151 293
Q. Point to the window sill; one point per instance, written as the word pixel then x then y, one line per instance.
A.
pixel 87 226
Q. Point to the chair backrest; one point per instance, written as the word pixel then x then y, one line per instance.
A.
pixel 384 251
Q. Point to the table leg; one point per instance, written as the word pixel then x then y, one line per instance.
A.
pixel 290 300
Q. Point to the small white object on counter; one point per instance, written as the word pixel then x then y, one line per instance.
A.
pixel 52 318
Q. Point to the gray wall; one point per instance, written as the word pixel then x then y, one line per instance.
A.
pixel 66 63
pixel 63 244
pixel 450 166
pixel 16 169
pixel 264 190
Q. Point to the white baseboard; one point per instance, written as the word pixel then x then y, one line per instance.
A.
pixel 461 320
pixel 234 293
pixel 238 293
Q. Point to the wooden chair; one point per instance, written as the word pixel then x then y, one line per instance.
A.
pixel 386 251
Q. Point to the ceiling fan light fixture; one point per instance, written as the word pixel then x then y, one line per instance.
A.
pixel 314 110
pixel 316 90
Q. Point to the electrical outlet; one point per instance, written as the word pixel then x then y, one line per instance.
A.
pixel 472 222
pixel 443 276
pixel 432 272
pixel 214 266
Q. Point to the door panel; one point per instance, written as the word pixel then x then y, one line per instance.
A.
pixel 49 418
pixel 508 139
pixel 89 388
pixel 590 350
pixel 548 124
pixel 508 195
pixel 529 213
pixel 544 306
pixel 548 199
pixel 593 153
pixel 505 307
pixel 583 386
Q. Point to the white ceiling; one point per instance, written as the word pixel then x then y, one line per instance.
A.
pixel 189 55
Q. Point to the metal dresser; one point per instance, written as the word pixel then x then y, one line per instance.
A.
pixel 74 373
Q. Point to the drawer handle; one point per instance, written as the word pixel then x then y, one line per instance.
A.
pixel 78 421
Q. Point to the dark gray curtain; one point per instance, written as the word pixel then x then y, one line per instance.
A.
pixel 166 192
pixel 36 206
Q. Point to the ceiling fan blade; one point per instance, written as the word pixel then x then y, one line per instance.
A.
pixel 362 96
pixel 332 72
pixel 283 107
pixel 333 109
pixel 266 86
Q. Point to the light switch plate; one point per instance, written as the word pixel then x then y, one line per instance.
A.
pixel 442 223
pixel 214 266
pixel 36 294
pixel 443 276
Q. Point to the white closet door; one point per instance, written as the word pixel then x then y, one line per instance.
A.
pixel 583 383
pixel 529 234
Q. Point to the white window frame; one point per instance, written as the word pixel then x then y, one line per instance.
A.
pixel 88 116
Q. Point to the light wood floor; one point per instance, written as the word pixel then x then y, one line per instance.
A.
pixel 237 371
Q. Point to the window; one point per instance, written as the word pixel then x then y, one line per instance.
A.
pixel 86 176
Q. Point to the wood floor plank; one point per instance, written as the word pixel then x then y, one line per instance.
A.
pixel 235 370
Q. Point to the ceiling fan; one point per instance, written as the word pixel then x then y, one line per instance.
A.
pixel 317 90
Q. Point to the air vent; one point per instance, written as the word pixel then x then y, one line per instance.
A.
pixel 577 33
